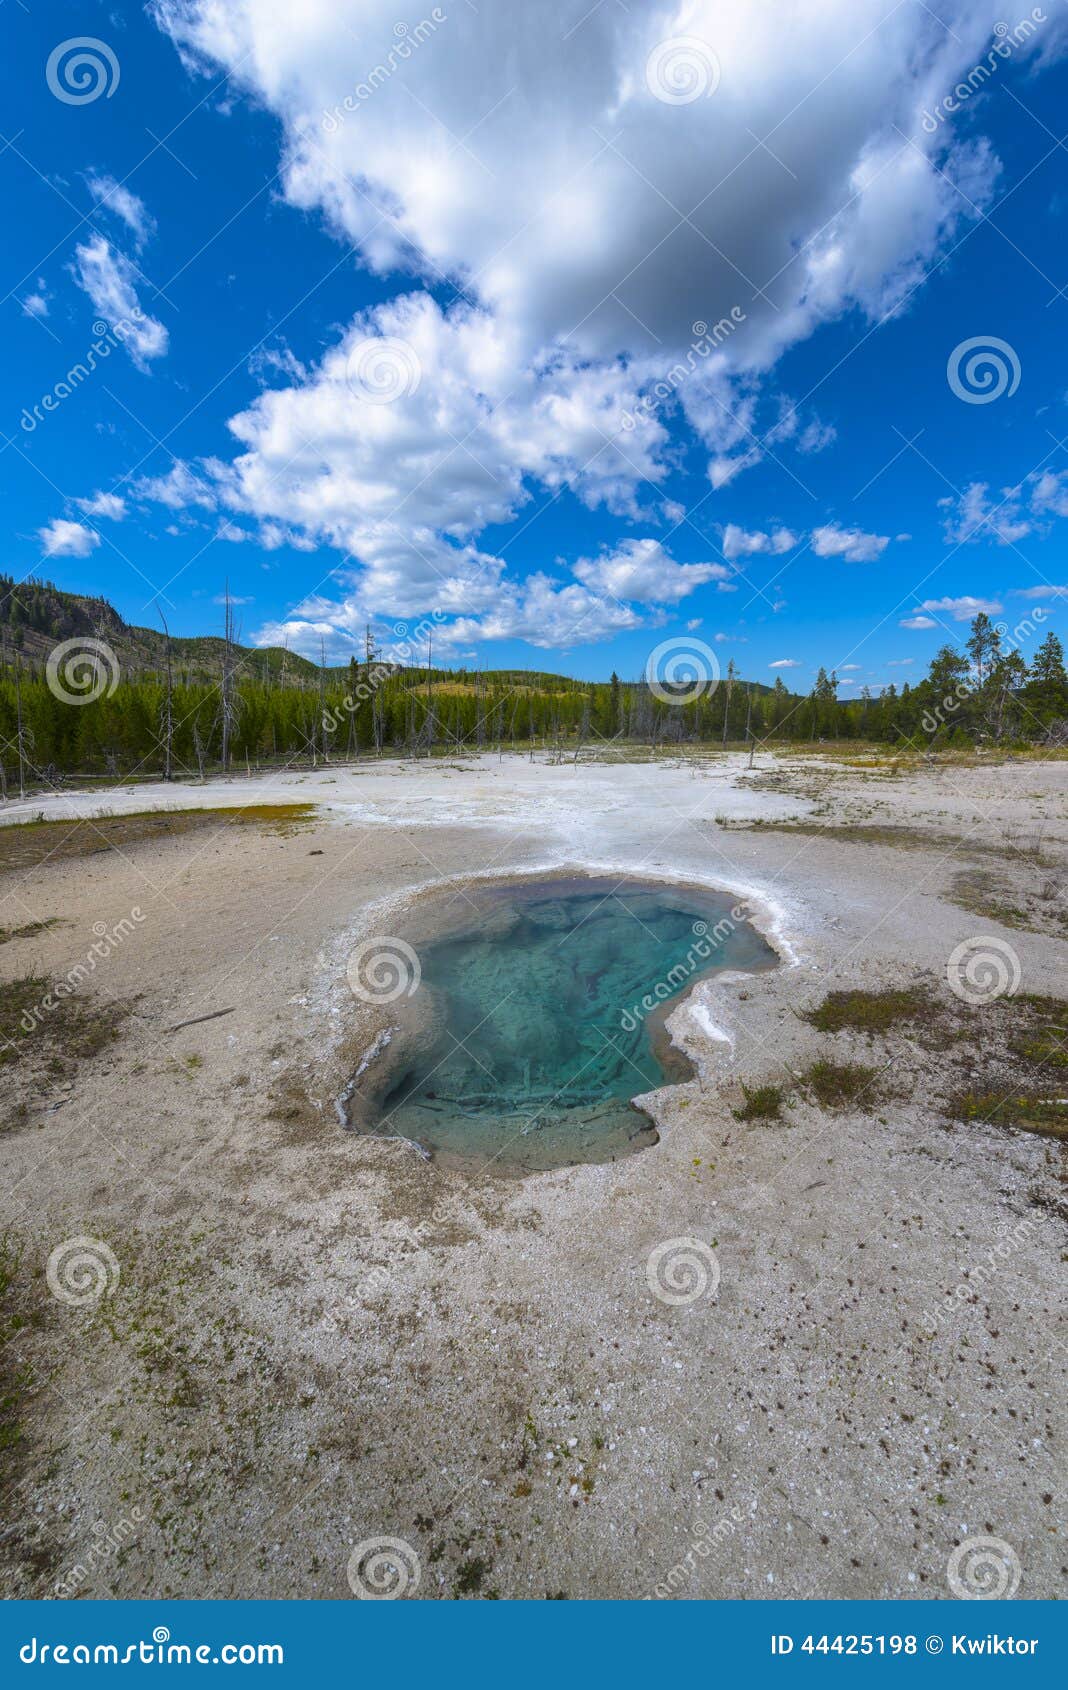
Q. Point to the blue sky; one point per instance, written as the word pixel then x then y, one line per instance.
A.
pixel 447 350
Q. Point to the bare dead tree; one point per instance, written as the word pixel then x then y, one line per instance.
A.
pixel 20 727
pixel 229 711
pixel 168 703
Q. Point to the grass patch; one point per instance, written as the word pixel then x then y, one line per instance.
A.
pixel 72 1030
pixel 838 1085
pixel 871 1012
pixel 762 1103
pixel 25 845
pixel 29 930
pixel 1026 1111
pixel 1015 845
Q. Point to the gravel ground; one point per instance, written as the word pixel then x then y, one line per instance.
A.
pixel 735 1364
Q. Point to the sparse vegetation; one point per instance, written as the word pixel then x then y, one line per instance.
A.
pixel 871 1012
pixel 762 1103
pixel 838 1085
pixel 29 930
pixel 74 1029
pixel 27 844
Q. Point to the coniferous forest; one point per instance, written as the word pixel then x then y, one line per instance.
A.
pixel 133 702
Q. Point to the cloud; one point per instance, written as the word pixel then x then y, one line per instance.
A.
pixel 109 505
pixel 642 569
pixel 235 598
pixel 36 304
pixel 786 663
pixel 108 278
pixel 1019 511
pixel 180 487
pixel 693 624
pixel 845 668
pixel 740 542
pixel 963 609
pixel 581 285
pixel 67 539
pixel 114 196
pixel 850 544
pixel 917 622
pixel 1046 592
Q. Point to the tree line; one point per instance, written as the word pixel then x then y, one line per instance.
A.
pixel 172 722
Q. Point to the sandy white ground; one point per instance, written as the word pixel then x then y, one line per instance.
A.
pixel 318 1339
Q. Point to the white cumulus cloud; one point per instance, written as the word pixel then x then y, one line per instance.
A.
pixel 67 539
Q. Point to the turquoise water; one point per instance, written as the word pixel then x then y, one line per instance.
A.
pixel 542 1018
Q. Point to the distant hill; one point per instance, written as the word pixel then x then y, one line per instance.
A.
pixel 35 615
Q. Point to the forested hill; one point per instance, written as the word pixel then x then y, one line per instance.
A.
pixel 35 615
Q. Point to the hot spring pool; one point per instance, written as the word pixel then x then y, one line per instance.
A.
pixel 540 1014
